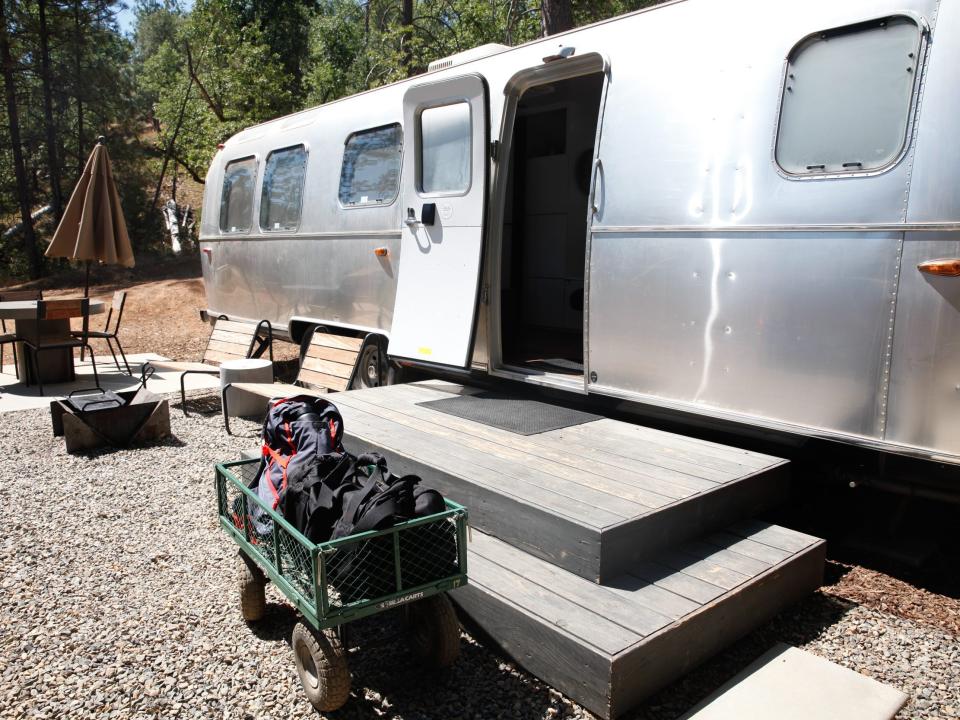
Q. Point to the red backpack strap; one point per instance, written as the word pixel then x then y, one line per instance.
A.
pixel 275 457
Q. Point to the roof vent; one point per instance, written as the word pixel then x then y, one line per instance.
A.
pixel 467 56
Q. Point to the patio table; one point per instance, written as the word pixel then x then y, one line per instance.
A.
pixel 54 365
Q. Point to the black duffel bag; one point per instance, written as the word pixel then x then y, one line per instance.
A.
pixel 376 499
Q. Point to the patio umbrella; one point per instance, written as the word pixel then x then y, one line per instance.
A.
pixel 92 227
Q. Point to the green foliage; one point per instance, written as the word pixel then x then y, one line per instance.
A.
pixel 220 74
pixel 355 47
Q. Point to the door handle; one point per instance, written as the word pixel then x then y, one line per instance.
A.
pixel 945 267
pixel 597 185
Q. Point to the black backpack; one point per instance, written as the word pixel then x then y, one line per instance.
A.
pixel 310 502
pixel 299 434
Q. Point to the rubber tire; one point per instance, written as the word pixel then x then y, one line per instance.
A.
pixel 251 583
pixel 361 380
pixel 327 682
pixel 433 631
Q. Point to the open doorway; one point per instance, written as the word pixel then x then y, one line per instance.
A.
pixel 545 225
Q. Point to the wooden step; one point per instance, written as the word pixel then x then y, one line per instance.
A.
pixel 610 646
pixel 592 498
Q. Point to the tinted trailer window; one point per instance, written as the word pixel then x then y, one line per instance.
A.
pixel 282 195
pixel 371 167
pixel 236 201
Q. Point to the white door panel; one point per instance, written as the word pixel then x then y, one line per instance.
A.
pixel 444 165
pixel 438 320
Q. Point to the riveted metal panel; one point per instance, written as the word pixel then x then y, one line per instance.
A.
pixel 789 327
pixel 694 145
pixel 334 278
pixel 925 372
pixel 933 187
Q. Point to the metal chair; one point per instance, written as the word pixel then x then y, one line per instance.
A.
pixel 59 310
pixel 119 300
pixel 11 338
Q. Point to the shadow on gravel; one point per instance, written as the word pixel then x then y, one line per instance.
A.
pixel 205 405
pixel 797 625
pixel 276 625
pixel 171 441
pixel 388 682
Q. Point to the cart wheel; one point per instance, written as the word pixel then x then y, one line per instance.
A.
pixel 253 600
pixel 433 631
pixel 322 667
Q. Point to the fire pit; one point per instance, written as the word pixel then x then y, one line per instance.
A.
pixel 107 418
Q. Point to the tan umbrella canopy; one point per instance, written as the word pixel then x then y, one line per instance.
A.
pixel 93 228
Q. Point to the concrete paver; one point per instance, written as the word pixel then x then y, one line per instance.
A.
pixel 787 683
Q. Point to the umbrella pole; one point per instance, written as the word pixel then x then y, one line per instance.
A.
pixel 86 294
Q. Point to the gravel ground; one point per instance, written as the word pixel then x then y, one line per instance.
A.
pixel 117 599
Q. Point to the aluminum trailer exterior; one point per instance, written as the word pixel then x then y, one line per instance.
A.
pixel 761 185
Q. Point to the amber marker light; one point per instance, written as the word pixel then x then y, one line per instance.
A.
pixel 381 252
pixel 946 267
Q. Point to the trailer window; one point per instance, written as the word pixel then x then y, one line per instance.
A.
pixel 236 201
pixel 282 194
pixel 847 98
pixel 445 149
pixel 371 167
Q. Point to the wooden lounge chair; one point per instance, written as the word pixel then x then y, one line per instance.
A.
pixel 230 340
pixel 327 363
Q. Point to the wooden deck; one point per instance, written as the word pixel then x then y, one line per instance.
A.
pixel 607 558
pixel 609 647
pixel 593 498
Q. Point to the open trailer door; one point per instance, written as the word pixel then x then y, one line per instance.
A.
pixel 443 192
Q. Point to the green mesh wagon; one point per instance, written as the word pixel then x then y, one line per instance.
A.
pixel 408 566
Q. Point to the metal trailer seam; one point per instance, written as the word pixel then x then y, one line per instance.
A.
pixel 898 266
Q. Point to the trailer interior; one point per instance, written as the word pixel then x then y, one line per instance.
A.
pixel 545 226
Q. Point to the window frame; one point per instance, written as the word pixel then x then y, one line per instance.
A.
pixel 343 157
pixel 303 188
pixel 254 201
pixel 418 149
pixel 923 30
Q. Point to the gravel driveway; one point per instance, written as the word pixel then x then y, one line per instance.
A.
pixel 117 599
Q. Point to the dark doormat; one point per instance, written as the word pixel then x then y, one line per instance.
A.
pixel 518 415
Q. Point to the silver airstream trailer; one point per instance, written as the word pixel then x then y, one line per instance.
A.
pixel 740 209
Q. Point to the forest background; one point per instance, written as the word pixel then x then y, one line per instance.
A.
pixel 183 79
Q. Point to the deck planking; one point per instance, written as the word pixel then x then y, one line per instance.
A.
pixel 608 647
pixel 592 498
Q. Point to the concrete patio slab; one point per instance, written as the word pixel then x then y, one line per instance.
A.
pixel 787 683
pixel 14 395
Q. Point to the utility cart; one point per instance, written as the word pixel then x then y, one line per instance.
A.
pixel 407 566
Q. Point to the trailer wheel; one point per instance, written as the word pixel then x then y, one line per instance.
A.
pixel 433 631
pixel 322 667
pixel 251 582
pixel 368 368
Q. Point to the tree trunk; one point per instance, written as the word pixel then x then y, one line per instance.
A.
pixel 406 20
pixel 214 106
pixel 556 16
pixel 56 192
pixel 77 50
pixel 13 118
pixel 186 166
pixel 173 139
